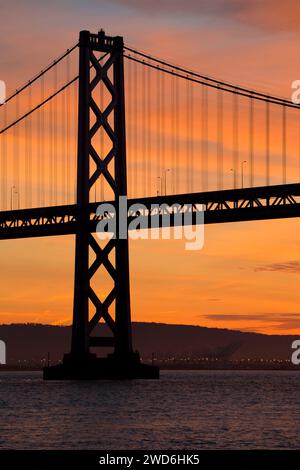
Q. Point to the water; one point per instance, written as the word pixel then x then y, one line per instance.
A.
pixel 183 410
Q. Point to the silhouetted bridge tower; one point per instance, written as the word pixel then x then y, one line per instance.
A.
pixel 80 362
pixel 43 208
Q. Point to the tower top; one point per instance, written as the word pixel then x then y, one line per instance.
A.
pixel 100 41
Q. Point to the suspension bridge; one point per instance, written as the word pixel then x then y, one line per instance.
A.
pixel 187 138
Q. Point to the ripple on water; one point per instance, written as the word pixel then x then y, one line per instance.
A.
pixel 184 409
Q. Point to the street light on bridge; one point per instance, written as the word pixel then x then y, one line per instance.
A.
pixel 13 191
pixel 165 172
pixel 242 172
pixel 233 170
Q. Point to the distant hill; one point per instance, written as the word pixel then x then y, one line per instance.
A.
pixel 32 342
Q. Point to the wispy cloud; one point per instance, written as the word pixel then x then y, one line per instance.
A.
pixel 292 267
pixel 280 321
pixel 268 15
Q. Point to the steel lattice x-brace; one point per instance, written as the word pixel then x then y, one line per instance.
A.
pixel 109 71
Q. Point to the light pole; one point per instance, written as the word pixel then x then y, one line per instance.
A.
pixel 233 174
pixel 158 186
pixel 18 199
pixel 165 179
pixel 12 190
pixel 242 172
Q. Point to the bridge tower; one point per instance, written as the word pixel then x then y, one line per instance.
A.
pixel 88 309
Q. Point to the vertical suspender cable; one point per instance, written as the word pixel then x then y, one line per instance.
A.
pixel 68 117
pixel 173 130
pixel 16 179
pixel 144 125
pixel 135 135
pixel 4 163
pixel 191 136
pixel 251 140
pixel 163 122
pixel 283 145
pixel 26 183
pixel 158 114
pixel 187 136
pixel 39 155
pixel 30 148
pixel 130 125
pixel 50 160
pixel 177 143
pixel 235 139
pixel 74 134
pixel 267 143
pixel 220 139
pixel 149 131
pixel 204 137
pixel 55 129
pixel 63 144
pixel 43 146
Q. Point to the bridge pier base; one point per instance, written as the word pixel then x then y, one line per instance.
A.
pixel 101 368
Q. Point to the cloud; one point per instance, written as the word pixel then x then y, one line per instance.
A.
pixel 187 7
pixel 279 321
pixel 270 15
pixel 292 267
pixel 232 317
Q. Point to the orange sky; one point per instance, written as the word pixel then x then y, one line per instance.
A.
pixel 247 275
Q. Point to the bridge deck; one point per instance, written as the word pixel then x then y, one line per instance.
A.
pixel 231 205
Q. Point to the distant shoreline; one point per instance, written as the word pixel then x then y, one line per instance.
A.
pixel 179 367
pixel 180 347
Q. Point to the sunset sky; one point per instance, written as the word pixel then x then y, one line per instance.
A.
pixel 247 276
